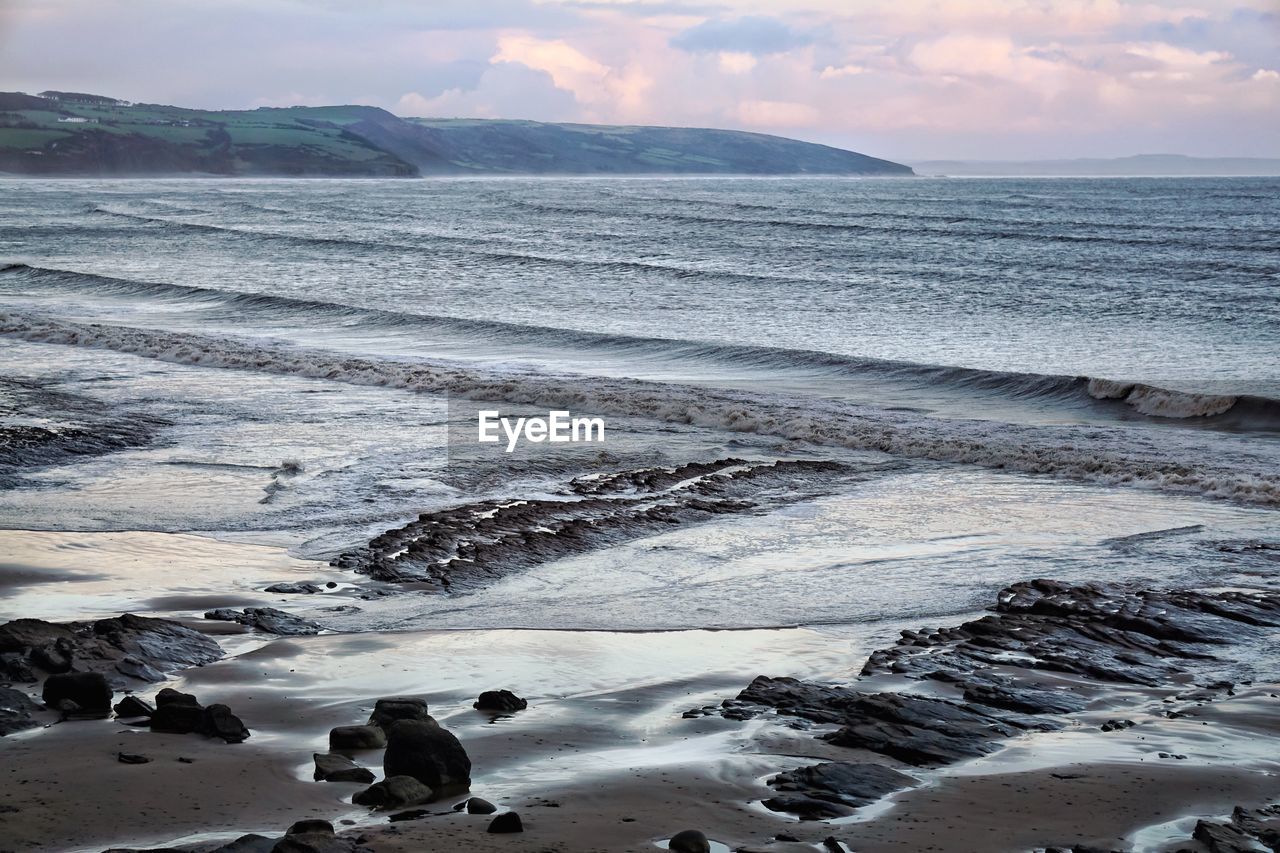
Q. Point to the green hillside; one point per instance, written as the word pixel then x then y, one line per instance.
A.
pixel 79 134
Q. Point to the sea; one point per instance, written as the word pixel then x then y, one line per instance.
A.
pixel 827 401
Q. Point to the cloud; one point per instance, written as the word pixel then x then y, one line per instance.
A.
pixel 732 62
pixel 755 35
pixel 504 90
pixel 899 78
pixel 777 114
pixel 832 72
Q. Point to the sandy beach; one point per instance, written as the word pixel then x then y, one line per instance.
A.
pixel 605 756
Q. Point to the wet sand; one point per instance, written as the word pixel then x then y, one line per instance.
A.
pixel 601 760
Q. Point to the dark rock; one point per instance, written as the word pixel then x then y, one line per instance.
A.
pixel 507 822
pixel 310 827
pixel 132 758
pixel 807 808
pixel 16 669
pixel 132 706
pixel 502 701
pixel 177 713
pixel 1108 632
pixel 339 768
pixel 1263 824
pixel 303 588
pixel 476 805
pixel 248 844
pixel 411 814
pixel 16 709
pixel 1223 837
pixel 55 657
pixel 689 841
pixel 1020 697
pixel 313 836
pixel 88 690
pixel 430 754
pixel 394 792
pixel 356 737
pixel 218 721
pixel 121 648
pixel 832 844
pixel 267 619
pixel 1117 725
pixel 387 711
pixel 847 784
pixel 23 635
pixel 169 696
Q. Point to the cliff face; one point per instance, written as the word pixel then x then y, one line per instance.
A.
pixel 81 135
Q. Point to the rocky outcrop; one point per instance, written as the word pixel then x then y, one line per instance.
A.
pixel 267 619
pixel 429 753
pixel 833 789
pixel 1105 632
pixel 125 649
pixel 999 676
pixel 468 546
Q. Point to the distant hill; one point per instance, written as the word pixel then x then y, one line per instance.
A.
pixel 1141 165
pixel 80 134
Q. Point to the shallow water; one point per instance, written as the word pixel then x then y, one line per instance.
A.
pixel 273 363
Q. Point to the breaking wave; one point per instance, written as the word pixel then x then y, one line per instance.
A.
pixel 1181 461
pixel 1234 411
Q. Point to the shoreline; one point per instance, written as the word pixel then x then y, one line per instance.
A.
pixel 617 752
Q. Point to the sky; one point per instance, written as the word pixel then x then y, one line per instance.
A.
pixel 904 79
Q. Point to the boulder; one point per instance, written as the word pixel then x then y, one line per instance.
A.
pixel 218 721
pixel 476 805
pixel 169 696
pixel 689 841
pixel 248 844
pixel 312 836
pixel 338 768
pixel 387 711
pixel 15 711
pixel 394 792
pixel 506 822
pixel 428 753
pixel 177 713
pixel 89 691
pixel 356 737
pixel 501 701
pixel 132 706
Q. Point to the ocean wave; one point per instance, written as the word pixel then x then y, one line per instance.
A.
pixel 1234 411
pixel 1190 462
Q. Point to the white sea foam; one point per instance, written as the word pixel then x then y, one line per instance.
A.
pixel 1222 466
